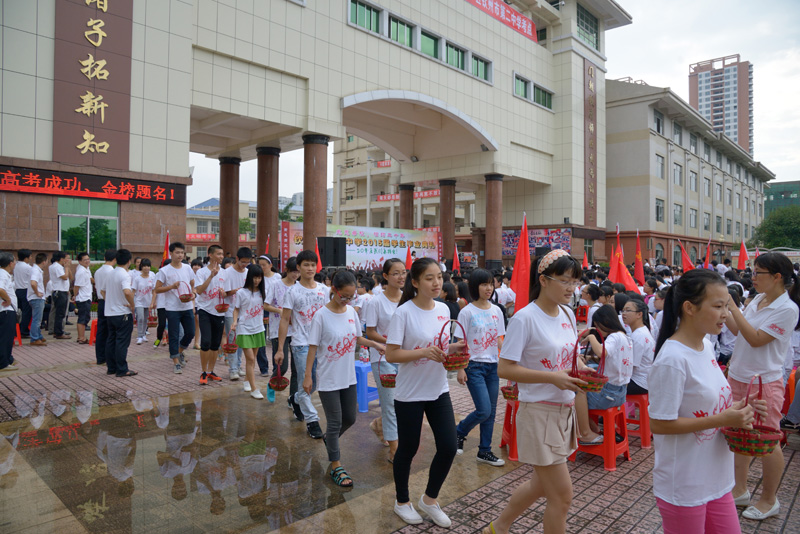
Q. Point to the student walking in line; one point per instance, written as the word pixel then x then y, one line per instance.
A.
pixel 144 297
pixel 690 400
pixel 332 340
pixel 82 289
pixel 274 305
pixel 248 322
pixel 209 284
pixel 484 325
pixel 636 315
pixel 173 280
pixel 537 355
pixel 270 277
pixel 300 304
pixel 763 335
pixel 377 316
pixel 100 277
pixel 161 311
pixel 22 279
pixel 235 276
pixel 196 265
pixel 413 342
pixel 59 275
pixel 8 311
pixel 35 297
pixel 119 315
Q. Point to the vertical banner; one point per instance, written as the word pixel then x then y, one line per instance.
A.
pixel 590 143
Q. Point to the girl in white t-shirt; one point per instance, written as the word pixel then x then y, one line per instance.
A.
pixel 537 354
pixel 618 369
pixel 334 334
pixel 377 317
pixel 763 335
pixel 690 400
pixel 422 389
pixel 636 316
pixel 248 322
pixel 143 283
pixel 485 328
pixel 591 294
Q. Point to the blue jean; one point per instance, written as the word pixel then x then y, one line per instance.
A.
pixel 176 320
pixel 234 360
pixel 300 357
pixel 608 397
pixel 386 395
pixel 483 385
pixel 37 309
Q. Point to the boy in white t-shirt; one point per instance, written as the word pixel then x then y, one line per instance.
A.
pixel 35 297
pixel 270 277
pixel 234 276
pixel 300 304
pixel 83 295
pixel 174 280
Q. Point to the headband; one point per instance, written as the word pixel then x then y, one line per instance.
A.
pixel 263 257
pixel 550 257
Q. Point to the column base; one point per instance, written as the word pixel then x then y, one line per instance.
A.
pixel 494 265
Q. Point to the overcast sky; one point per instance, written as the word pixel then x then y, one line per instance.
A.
pixel 664 39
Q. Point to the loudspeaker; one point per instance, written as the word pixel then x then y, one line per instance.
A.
pixel 332 251
pixel 541 251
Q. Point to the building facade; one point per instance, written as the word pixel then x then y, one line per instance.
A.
pixel 721 90
pixel 672 177
pixel 781 195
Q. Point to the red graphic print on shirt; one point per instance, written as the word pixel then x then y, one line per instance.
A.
pixel 626 362
pixel 254 311
pixel 422 361
pixel 724 402
pixel 342 348
pixel 777 329
pixel 307 315
pixel 563 360
pixel 489 340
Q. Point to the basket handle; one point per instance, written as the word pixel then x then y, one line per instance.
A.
pixel 444 326
pixel 747 393
pixel 188 287
pixel 575 352
pixel 232 332
pixel 601 368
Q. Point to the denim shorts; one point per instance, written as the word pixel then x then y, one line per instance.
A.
pixel 84 312
pixel 608 397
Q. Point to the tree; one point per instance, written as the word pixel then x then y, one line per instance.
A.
pixel 283 213
pixel 244 226
pixel 780 229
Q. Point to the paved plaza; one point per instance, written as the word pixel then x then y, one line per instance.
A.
pixel 85 452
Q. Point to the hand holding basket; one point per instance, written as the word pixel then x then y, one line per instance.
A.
pixel 152 319
pixel 222 306
pixel 230 347
pixel 510 391
pixel 184 296
pixel 760 441
pixel 595 380
pixel 387 380
pixel 457 360
pixel 278 382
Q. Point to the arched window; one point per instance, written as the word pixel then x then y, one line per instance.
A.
pixel 676 256
pixel 659 251
pixel 693 254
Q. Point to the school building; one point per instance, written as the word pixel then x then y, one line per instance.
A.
pixel 502 100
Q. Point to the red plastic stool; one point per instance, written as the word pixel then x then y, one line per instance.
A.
pixel 510 430
pixel 582 314
pixel 93 332
pixel 644 433
pixel 613 418
pixel 18 337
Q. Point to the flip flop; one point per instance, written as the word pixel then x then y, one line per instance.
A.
pixel 490 529
pixel 596 441
pixel 129 373
pixel 340 476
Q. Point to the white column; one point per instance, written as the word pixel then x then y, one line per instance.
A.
pixel 392 190
pixel 418 212
pixel 369 192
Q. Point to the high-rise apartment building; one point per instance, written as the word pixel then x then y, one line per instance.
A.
pixel 721 90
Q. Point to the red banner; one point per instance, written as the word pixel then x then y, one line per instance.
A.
pixel 508 16
pixel 384 163
pixel 201 237
pixel 417 194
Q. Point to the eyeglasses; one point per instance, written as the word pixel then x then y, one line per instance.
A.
pixel 572 284
pixel 343 298
pixel 625 310
pixel 756 273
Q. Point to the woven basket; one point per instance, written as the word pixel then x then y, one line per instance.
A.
pixel 185 297
pixel 387 380
pixel 595 380
pixel 760 441
pixel 152 320
pixel 457 360
pixel 510 392
pixel 230 347
pixel 278 382
pixel 223 306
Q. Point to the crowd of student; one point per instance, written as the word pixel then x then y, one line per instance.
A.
pixel 668 340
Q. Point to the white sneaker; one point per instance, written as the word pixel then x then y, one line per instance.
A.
pixel 407 513
pixel 247 387
pixel 435 513
pixel 234 374
pixel 138 341
pixel 256 394
pixel 242 373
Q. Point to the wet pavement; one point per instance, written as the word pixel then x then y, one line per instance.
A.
pixel 87 452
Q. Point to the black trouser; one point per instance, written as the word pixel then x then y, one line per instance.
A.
pixel 340 413
pixel 60 301
pixel 101 337
pixel 8 331
pixel 211 329
pixel 409 427
pixel 27 313
pixel 635 389
pixel 120 328
pixel 162 323
pixel 285 365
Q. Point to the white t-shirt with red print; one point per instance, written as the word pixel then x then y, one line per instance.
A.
pixel 619 359
pixel 644 350
pixel 696 468
pixel 377 314
pixel 778 320
pixel 541 343
pixel 413 328
pixel 304 303
pixel 251 312
pixel 275 293
pixel 143 289
pixel 335 336
pixel 484 328
pixel 233 279
pixel 210 298
pixel 168 275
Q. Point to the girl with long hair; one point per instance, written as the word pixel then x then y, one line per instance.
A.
pixel 690 400
pixel 332 339
pixel 413 341
pixel 763 335
pixel 248 322
pixel 537 354
pixel 636 316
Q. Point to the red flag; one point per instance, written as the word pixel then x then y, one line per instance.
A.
pixel 613 266
pixel 756 251
pixel 456 261
pixel 686 261
pixel 319 259
pixel 521 277
pixel 743 257
pixel 585 263
pixel 708 255
pixel 266 250
pixel 625 277
pixel 409 259
pixel 638 266
pixel 166 255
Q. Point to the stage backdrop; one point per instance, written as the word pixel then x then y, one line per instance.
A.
pixel 367 248
pixel 538 237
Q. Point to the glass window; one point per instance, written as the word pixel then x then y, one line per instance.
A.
pixel 73 234
pixel 521 87
pixel 706 221
pixel 728 197
pixel 88 226
pixel 364 16
pixel 754 206
pixel 676 256
pixel 214 227
pixel 706 152
pixel 429 45
pixel 102 236
pixel 677 133
pixel 200 252
pixel 660 166
pixel 728 226
pixel 400 32
pixel 351 138
pixel 542 97
pixel 202 227
pixel 707 186
pixel 659 251
pixel 677 214
pixel 693 143
pixel 738 204
pixel 480 68
pixel 677 174
pixel 455 57
pixel 738 228
pixel 103 208
pixel 693 254
pixel 659 210
pixel 746 231
pixel 73 206
pixel 541 35
pixel 588 247
pixel 692 218
pixel 718 191
pixel 693 180
pixel 659 121
pixel 587 28
pixel 719 224
pixel 719 160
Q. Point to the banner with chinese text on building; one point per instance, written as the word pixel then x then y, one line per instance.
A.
pixel 367 248
pixel 553 238
pixel 509 16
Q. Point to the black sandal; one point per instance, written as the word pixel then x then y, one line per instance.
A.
pixel 129 373
pixel 340 477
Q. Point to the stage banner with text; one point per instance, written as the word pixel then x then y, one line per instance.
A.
pixel 366 248
pixel 553 238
